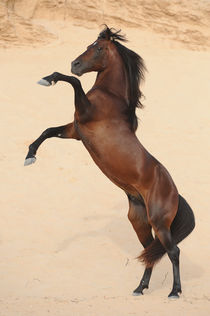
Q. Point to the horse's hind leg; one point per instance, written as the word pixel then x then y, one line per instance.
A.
pixel 173 252
pixel 144 283
pixel 138 217
pixel 161 219
pixel 65 131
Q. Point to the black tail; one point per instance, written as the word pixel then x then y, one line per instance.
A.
pixel 181 227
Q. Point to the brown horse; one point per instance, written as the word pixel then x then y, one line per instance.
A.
pixel 105 121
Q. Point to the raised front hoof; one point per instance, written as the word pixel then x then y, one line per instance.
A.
pixel 29 161
pixel 49 80
pixel 44 82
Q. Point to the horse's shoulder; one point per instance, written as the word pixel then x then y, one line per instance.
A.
pixel 100 95
pixel 96 92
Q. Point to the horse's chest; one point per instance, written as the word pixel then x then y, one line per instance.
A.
pixel 107 150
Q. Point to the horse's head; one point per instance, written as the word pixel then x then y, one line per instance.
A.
pixel 125 66
pixel 96 57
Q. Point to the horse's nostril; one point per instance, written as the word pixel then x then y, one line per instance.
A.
pixel 76 63
pixel 76 66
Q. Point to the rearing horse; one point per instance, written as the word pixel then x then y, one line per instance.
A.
pixel 105 121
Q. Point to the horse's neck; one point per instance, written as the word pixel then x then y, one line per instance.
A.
pixel 114 79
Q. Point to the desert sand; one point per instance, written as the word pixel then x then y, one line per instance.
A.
pixel 67 247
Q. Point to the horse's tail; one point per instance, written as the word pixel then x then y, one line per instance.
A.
pixel 181 227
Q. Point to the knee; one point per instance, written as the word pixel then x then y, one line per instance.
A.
pixel 48 132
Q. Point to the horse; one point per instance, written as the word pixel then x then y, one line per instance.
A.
pixel 105 121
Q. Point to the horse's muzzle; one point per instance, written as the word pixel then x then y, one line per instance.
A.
pixel 76 67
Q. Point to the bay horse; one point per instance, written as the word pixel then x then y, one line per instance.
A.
pixel 105 121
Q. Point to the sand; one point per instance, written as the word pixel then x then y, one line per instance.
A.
pixel 67 247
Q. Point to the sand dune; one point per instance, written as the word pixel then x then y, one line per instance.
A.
pixel 67 247
pixel 187 23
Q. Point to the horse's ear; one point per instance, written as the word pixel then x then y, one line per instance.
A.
pixel 105 34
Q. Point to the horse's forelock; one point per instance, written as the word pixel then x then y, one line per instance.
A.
pixel 111 34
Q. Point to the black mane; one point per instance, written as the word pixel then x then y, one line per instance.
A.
pixel 135 68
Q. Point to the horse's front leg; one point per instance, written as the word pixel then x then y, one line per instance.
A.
pixel 65 131
pixel 82 104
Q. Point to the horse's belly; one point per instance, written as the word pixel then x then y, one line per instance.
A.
pixel 117 172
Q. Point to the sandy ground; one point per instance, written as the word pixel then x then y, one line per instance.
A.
pixel 67 247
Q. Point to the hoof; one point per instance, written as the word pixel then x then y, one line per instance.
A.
pixel 29 161
pixel 44 82
pixel 173 296
pixel 139 290
pixel 137 293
